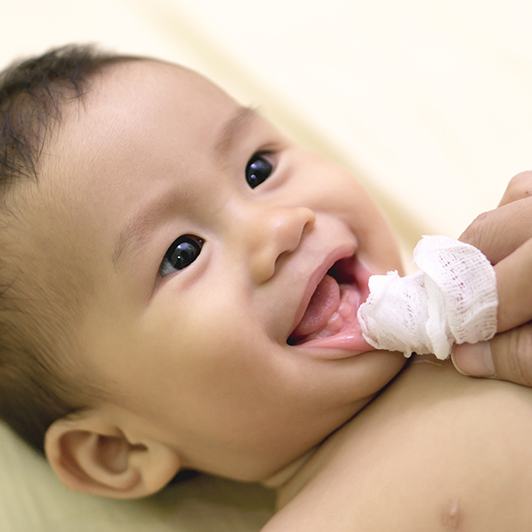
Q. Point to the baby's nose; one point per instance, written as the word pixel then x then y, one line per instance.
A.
pixel 272 233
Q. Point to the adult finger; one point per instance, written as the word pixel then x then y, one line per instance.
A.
pixel 504 235
pixel 519 187
pixel 514 288
pixel 499 232
pixel 507 356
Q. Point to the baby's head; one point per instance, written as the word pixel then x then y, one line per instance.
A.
pixel 160 243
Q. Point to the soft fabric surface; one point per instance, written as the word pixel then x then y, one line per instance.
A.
pixel 451 299
pixel 429 103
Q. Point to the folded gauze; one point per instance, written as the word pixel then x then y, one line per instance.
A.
pixel 452 299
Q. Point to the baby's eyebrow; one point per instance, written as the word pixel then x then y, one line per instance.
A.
pixel 138 229
pixel 231 130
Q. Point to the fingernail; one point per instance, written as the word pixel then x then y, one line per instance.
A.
pixel 474 360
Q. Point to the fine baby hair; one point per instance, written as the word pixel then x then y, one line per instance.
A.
pixel 40 379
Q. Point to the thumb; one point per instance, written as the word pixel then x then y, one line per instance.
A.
pixel 507 356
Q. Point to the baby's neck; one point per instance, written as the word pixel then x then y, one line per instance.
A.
pixel 282 478
pixel 291 480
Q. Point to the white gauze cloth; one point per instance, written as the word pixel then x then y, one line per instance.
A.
pixel 452 299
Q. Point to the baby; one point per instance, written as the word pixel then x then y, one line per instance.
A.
pixel 161 246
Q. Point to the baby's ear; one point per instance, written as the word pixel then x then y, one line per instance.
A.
pixel 92 456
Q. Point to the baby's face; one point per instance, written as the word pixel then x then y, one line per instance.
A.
pixel 189 323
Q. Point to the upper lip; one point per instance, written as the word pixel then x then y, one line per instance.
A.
pixel 341 252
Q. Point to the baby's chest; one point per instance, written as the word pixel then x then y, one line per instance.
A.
pixel 418 494
pixel 460 459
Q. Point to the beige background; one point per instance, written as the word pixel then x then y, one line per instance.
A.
pixel 429 102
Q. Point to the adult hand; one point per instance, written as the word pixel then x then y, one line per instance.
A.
pixel 504 235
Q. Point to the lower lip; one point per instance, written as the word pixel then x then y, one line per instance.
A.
pixel 349 341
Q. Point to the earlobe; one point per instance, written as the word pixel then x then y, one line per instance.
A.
pixel 91 456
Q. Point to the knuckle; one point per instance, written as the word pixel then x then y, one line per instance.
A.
pixel 475 231
pixel 520 351
pixel 520 186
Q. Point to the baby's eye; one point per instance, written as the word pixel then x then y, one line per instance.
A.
pixel 258 170
pixel 183 252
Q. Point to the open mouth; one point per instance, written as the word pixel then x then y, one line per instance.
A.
pixel 330 317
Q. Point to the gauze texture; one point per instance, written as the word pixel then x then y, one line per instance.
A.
pixel 452 299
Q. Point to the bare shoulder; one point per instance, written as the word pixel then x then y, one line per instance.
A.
pixel 436 452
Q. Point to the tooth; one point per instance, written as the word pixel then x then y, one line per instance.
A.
pixel 346 309
pixel 335 323
pixel 333 326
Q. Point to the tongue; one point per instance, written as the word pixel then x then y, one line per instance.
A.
pixel 323 303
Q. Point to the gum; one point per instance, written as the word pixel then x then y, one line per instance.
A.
pixel 343 316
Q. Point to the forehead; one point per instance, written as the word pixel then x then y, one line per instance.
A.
pixel 157 82
pixel 137 104
pixel 137 117
pixel 144 100
pixel 138 124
